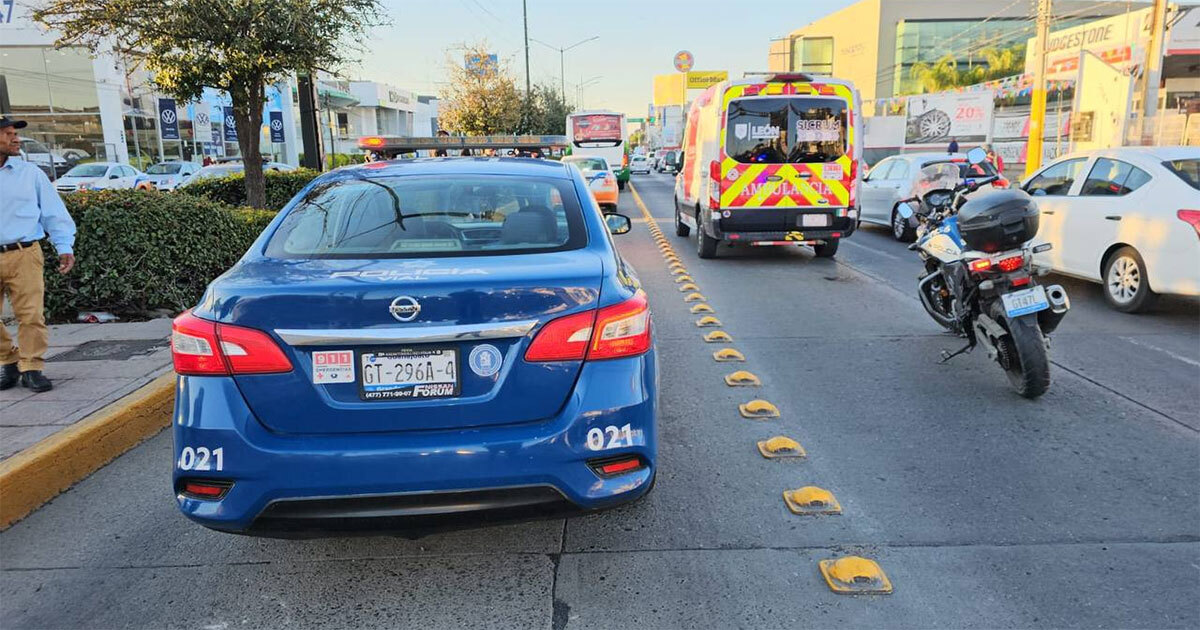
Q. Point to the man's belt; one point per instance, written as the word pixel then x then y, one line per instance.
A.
pixel 8 247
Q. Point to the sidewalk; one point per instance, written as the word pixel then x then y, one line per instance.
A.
pixel 92 366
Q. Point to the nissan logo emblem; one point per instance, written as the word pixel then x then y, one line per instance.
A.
pixel 405 308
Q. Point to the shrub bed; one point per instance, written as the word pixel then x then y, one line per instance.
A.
pixel 138 252
pixel 231 189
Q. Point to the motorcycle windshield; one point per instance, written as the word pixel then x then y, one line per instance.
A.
pixel 942 176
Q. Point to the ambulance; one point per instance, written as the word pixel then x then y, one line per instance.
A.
pixel 774 160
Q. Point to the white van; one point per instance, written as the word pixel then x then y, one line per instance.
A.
pixel 771 161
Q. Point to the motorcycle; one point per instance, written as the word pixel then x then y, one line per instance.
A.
pixel 979 280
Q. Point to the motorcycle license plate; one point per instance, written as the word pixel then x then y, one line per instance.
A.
pixel 1025 302
pixel 408 373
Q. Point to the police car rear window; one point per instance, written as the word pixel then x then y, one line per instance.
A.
pixel 786 130
pixel 430 216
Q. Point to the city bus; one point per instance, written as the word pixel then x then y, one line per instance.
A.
pixel 600 133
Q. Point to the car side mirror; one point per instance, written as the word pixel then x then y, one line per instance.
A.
pixel 618 223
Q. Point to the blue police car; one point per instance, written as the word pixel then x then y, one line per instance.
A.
pixel 416 343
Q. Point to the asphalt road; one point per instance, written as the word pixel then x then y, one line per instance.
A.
pixel 1080 509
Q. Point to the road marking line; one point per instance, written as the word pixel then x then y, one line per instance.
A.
pixel 870 249
pixel 1166 352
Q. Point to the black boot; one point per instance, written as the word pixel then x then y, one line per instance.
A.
pixel 9 375
pixel 35 381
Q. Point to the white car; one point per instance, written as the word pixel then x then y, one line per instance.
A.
pixel 639 164
pixel 232 168
pixel 40 155
pixel 99 176
pixel 1128 218
pixel 171 175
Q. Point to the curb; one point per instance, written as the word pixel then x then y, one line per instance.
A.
pixel 37 474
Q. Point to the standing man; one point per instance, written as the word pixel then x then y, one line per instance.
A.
pixel 29 209
pixel 953 148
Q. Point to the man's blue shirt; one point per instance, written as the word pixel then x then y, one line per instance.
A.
pixel 30 207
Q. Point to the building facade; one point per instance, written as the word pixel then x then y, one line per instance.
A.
pixel 876 43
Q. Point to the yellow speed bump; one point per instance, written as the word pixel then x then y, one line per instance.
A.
pixel 717 336
pixel 708 321
pixel 742 378
pixel 728 355
pixel 701 308
pixel 811 500
pixel 781 446
pixel 694 297
pixel 683 279
pixel 758 410
pixel 678 271
pixel 690 286
pixel 854 575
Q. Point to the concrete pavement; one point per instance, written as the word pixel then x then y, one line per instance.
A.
pixel 985 509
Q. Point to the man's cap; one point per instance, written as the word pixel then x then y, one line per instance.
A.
pixel 5 121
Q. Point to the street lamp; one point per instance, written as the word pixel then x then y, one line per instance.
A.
pixel 579 87
pixel 561 60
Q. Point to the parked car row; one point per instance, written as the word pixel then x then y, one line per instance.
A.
pixel 165 176
pixel 1127 218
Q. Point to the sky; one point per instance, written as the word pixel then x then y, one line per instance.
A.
pixel 637 40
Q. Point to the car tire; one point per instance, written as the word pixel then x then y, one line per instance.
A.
pixel 681 229
pixel 827 250
pixel 1125 282
pixel 901 230
pixel 706 246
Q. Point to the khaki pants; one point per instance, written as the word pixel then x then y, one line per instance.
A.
pixel 21 281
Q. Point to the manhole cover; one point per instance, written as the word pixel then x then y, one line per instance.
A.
pixel 111 350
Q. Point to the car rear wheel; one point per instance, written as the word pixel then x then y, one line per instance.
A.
pixel 827 249
pixel 900 228
pixel 681 229
pixel 706 246
pixel 1126 286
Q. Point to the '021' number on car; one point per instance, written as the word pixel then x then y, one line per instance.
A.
pixel 616 437
pixel 201 458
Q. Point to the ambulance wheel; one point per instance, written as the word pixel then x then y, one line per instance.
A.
pixel 827 250
pixel 681 229
pixel 706 246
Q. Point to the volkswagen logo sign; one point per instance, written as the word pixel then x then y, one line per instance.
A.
pixel 168 116
pixel 277 125
pixel 405 308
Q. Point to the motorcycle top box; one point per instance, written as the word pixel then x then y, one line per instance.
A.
pixel 997 222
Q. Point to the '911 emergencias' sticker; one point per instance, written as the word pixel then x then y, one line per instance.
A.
pixel 333 366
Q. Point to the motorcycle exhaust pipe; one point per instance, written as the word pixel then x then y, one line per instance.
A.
pixel 1049 319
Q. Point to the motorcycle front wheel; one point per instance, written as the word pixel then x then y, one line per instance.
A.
pixel 1023 354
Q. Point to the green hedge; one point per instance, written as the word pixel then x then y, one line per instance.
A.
pixel 138 251
pixel 231 189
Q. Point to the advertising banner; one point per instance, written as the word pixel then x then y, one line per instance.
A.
pixel 936 118
pixel 202 122
pixel 1120 41
pixel 702 79
pixel 481 65
pixel 275 121
pixel 168 119
pixel 670 89
pixel 229 124
pixel 597 128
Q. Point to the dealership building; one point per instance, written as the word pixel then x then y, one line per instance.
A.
pixel 82 106
pixel 876 43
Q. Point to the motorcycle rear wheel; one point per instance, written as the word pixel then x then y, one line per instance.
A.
pixel 1028 368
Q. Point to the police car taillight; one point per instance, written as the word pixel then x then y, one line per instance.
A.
pixel 620 330
pixel 203 348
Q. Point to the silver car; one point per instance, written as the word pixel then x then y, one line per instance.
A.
pixel 171 175
pixel 892 180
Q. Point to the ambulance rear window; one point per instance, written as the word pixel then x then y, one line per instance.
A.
pixel 786 129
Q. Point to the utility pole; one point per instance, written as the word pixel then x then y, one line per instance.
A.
pixel 1152 70
pixel 1037 106
pixel 525 18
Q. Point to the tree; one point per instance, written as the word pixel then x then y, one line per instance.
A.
pixel 945 74
pixel 939 76
pixel 237 46
pixel 479 100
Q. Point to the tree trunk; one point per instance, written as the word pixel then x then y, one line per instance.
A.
pixel 247 114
